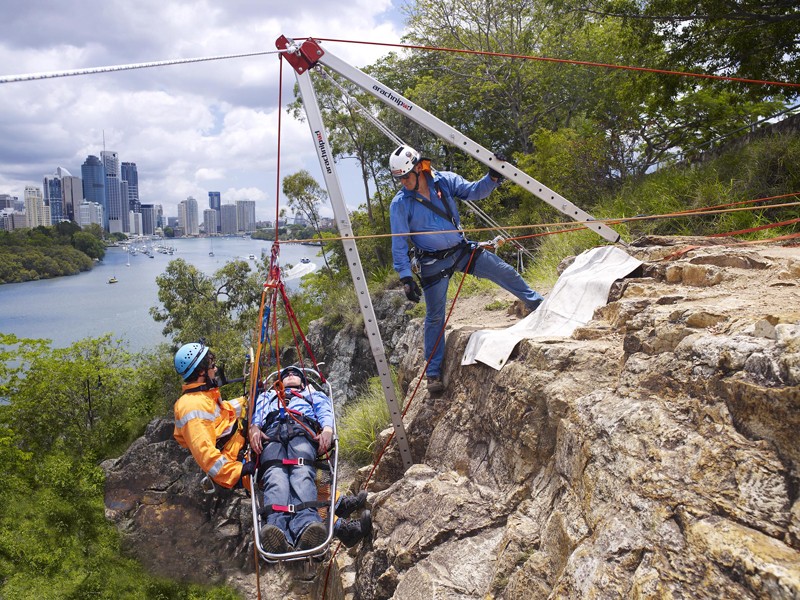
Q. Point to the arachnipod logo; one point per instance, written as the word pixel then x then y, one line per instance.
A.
pixel 323 152
pixel 387 94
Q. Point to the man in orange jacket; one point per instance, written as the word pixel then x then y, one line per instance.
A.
pixel 207 425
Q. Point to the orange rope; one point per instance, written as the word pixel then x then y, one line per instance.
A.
pixel 609 221
pixel 584 63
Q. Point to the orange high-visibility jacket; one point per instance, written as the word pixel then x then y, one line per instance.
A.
pixel 202 418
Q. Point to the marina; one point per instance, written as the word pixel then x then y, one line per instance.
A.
pixel 67 309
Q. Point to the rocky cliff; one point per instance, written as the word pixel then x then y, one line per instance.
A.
pixel 653 454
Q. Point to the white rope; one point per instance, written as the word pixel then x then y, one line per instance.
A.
pixel 109 69
pixel 482 214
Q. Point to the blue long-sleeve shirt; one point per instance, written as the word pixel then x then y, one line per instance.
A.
pixel 408 215
pixel 312 404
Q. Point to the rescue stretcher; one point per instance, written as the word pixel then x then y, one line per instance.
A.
pixel 327 467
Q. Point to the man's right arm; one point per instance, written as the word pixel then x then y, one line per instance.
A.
pixel 254 433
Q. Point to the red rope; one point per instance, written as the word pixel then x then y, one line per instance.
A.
pixel 424 370
pixel 752 229
pixel 585 63
pixel 278 157
pixel 328 570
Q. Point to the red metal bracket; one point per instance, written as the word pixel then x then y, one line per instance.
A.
pixel 305 57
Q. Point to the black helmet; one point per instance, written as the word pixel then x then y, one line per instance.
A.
pixel 294 369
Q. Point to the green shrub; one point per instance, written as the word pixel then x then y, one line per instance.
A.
pixel 361 422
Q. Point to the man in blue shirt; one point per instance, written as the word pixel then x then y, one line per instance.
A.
pixel 425 204
pixel 303 434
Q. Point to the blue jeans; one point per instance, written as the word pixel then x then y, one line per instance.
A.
pixel 286 485
pixel 487 265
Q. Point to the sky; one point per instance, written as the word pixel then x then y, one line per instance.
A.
pixel 190 129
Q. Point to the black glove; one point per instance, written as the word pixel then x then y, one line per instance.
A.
pixel 220 378
pixel 411 289
pixel 499 156
pixel 248 468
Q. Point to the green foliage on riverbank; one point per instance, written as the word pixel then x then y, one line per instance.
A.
pixel 68 409
pixel 45 252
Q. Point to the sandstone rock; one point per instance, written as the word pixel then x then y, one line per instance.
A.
pixel 653 454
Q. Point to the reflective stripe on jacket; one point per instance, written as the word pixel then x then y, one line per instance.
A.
pixel 201 418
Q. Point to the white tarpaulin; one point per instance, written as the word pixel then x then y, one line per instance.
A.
pixel 299 270
pixel 582 288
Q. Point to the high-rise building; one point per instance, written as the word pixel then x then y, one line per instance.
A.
pixel 148 219
pixel 246 215
pixel 188 217
pixel 160 221
pixel 228 219
pixel 129 173
pixel 11 219
pixel 210 221
pixel 72 191
pixel 135 222
pixel 90 212
pixel 7 201
pixel 117 209
pixel 94 184
pixel 53 198
pixel 62 193
pixel 35 210
pixel 214 200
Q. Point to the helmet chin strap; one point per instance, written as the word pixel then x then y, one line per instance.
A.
pixel 416 178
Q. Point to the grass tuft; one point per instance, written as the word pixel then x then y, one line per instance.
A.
pixel 361 422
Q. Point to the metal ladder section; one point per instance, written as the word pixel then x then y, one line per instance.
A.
pixel 314 117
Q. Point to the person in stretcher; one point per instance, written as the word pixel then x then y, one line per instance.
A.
pixel 289 437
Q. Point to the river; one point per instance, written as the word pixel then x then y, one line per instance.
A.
pixel 66 309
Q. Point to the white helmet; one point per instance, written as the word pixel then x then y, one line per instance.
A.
pixel 402 160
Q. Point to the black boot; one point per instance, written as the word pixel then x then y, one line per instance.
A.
pixel 347 505
pixel 352 531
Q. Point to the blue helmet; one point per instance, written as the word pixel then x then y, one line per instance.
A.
pixel 297 371
pixel 188 357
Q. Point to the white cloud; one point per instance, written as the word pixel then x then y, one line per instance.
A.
pixel 189 128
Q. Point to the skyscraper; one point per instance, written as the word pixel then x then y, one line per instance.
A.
pixel 129 173
pixel 72 192
pixel 210 218
pixel 53 198
pixel 35 210
pixel 94 184
pixel 188 217
pixel 246 215
pixel 117 217
pixel 228 219
pixel 214 200
pixel 148 219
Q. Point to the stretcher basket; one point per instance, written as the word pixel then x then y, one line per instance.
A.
pixel 326 484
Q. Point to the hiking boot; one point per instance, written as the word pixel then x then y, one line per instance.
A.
pixel 435 384
pixel 352 531
pixel 273 540
pixel 347 505
pixel 313 536
pixel 522 310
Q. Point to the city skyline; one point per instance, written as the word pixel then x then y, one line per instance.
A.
pixel 191 129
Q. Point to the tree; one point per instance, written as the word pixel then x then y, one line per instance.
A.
pixel 221 308
pixel 305 196
pixel 89 245
pixel 753 39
